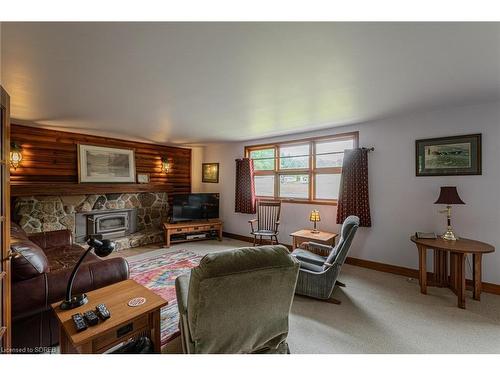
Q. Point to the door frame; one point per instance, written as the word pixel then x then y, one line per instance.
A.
pixel 6 322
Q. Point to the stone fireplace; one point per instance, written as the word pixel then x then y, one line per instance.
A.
pixel 130 219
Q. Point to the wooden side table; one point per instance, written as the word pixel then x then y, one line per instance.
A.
pixel 458 251
pixel 125 322
pixel 305 235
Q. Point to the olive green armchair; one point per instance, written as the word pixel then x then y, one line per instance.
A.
pixel 238 301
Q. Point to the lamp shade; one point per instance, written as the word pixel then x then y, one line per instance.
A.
pixel 314 216
pixel 102 248
pixel 449 195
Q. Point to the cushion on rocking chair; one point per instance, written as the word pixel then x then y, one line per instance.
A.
pixel 264 232
pixel 308 257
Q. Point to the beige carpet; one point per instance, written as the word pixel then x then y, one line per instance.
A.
pixel 380 313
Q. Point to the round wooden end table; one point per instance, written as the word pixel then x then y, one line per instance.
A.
pixel 455 279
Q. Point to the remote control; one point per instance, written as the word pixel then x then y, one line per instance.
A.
pixel 91 318
pixel 102 311
pixel 80 324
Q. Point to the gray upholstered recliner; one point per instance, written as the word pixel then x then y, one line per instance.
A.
pixel 318 274
pixel 238 301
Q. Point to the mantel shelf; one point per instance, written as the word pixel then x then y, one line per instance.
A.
pixel 23 190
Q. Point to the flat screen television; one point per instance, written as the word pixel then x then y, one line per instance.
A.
pixel 200 206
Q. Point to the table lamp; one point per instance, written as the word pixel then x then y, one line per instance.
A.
pixel 102 248
pixel 448 196
pixel 314 217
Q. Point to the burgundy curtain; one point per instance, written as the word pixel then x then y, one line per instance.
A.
pixel 353 193
pixel 245 187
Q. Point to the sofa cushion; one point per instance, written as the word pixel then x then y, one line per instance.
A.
pixel 55 238
pixel 311 267
pixel 29 260
pixel 309 257
pixel 66 257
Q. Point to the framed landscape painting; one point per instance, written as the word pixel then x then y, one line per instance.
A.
pixel 210 173
pixel 105 164
pixel 448 156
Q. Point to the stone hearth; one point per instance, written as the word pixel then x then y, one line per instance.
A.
pixel 48 213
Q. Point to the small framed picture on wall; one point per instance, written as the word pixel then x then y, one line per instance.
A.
pixel 143 178
pixel 210 173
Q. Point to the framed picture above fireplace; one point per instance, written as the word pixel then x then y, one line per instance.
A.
pixel 105 164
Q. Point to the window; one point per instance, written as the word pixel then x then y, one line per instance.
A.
pixel 294 186
pixel 264 159
pixel 294 157
pixel 301 171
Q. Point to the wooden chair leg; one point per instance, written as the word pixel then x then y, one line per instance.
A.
pixel 254 240
pixel 260 240
pixel 340 283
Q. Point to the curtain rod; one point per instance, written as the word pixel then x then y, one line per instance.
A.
pixel 297 156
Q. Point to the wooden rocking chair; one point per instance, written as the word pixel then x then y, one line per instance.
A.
pixel 268 220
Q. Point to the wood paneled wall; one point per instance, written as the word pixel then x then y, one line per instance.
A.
pixel 50 164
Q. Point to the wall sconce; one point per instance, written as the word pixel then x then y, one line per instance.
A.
pixel 165 165
pixel 16 155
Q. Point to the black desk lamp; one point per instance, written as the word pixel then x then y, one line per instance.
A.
pixel 102 248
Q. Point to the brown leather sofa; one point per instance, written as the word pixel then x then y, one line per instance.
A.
pixel 40 272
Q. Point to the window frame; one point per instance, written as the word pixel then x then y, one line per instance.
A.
pixel 311 170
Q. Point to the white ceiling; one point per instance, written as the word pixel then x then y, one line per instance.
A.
pixel 200 82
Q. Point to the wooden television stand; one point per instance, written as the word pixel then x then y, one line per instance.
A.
pixel 180 231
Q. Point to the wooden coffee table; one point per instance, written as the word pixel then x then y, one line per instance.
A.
pixel 125 322
pixel 458 251
pixel 305 235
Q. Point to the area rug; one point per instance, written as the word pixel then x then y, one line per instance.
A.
pixel 158 274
